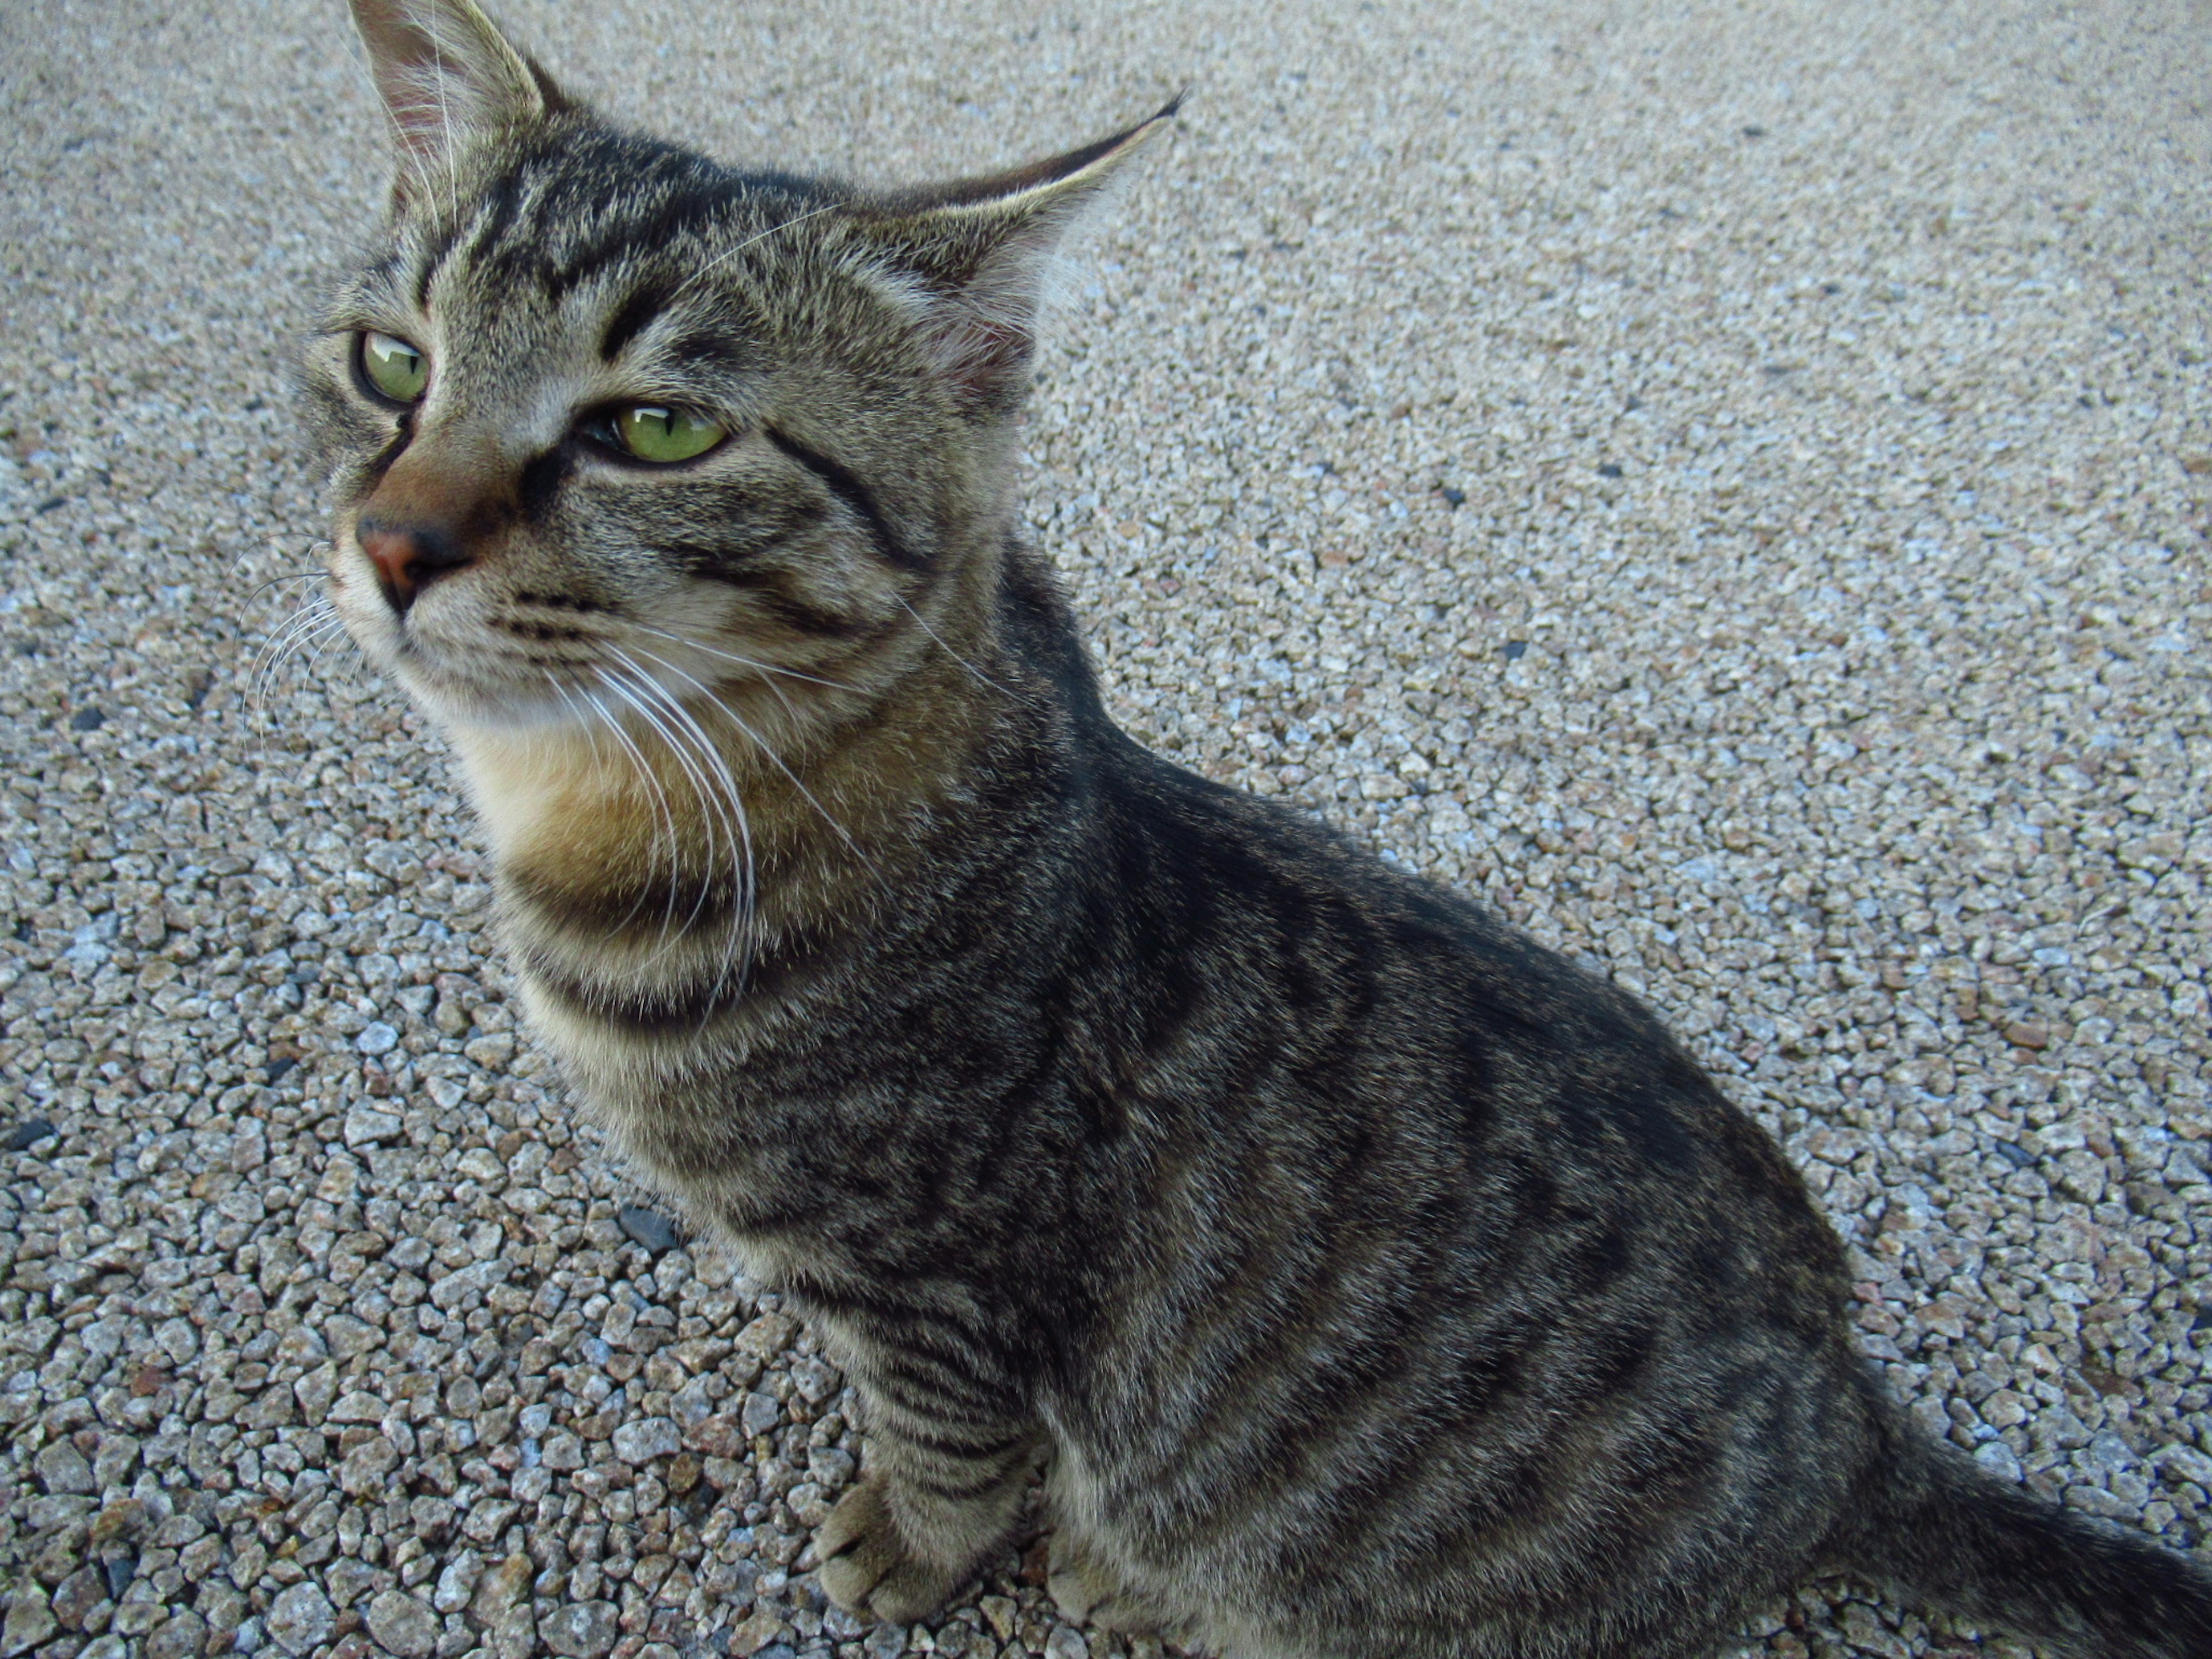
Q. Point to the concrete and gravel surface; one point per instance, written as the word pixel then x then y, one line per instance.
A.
pixel 1727 483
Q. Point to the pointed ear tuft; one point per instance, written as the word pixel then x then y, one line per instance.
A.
pixel 984 251
pixel 443 72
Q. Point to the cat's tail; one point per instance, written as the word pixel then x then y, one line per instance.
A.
pixel 1943 1532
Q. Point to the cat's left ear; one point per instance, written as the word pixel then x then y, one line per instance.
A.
pixel 445 72
pixel 984 252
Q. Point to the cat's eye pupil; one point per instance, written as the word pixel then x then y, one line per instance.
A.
pixel 652 433
pixel 393 368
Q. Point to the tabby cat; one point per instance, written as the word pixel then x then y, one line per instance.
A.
pixel 1369 1282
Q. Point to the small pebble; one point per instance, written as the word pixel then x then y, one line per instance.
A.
pixel 403 1625
pixel 647 1229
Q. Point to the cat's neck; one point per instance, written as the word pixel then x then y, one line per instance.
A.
pixel 686 821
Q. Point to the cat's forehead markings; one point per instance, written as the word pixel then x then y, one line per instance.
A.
pixel 469 233
pixel 659 329
pixel 667 199
pixel 631 316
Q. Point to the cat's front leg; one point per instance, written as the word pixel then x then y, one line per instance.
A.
pixel 942 1488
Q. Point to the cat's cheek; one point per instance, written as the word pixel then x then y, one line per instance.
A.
pixel 360 607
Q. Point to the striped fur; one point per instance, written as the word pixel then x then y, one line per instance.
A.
pixel 1368 1281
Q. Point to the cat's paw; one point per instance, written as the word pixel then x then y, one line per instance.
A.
pixel 1088 1594
pixel 870 1570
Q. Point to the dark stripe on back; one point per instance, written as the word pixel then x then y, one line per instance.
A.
pixel 852 494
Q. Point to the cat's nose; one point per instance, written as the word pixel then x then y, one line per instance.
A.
pixel 409 558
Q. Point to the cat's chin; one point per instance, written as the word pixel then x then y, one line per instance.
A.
pixel 479 702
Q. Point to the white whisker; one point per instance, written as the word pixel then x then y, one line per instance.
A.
pixel 796 782
pixel 670 740
pixel 311 624
pixel 981 677
pixel 745 662
pixel 790 713
pixel 730 253
pixel 665 813
pixel 259 588
pixel 584 718
pixel 445 118
pixel 739 942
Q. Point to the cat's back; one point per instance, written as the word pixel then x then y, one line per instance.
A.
pixel 1383 999
pixel 1427 1210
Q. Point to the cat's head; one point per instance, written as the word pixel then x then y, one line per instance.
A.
pixel 610 425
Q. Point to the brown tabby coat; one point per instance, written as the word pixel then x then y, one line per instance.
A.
pixel 1372 1282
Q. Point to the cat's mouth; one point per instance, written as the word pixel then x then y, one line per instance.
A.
pixel 488 687
pixel 516 645
pixel 462 665
pixel 538 662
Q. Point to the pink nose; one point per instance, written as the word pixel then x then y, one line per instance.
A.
pixel 409 558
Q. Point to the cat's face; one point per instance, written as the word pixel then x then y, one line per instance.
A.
pixel 611 428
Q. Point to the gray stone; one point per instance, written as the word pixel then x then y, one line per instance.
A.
pixel 762 1413
pixel 647 1229
pixel 2185 1462
pixel 360 1407
pixel 180 1636
pixel 348 1579
pixel 580 1630
pixel 815 1379
pixel 365 1125
pixel 136 1618
pixel 61 1468
pixel 457 1582
pixel 299 1620
pixel 642 1439
pixel 30 1619
pixel 315 1391
pixel 514 1635
pixel 350 1338
pixel 764 1624
pixel 454 1288
pixel 769 1336
pixel 563 1453
pixel 21 1137
pixel 500 1589
pixel 362 1474
pixel 403 1625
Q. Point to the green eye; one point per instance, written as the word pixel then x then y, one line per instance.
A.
pixel 394 368
pixel 652 433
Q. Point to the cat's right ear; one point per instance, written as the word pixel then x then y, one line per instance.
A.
pixel 444 72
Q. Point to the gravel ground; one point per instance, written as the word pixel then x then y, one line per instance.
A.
pixel 1729 485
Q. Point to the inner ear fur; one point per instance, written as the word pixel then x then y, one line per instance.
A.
pixel 444 71
pixel 983 249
